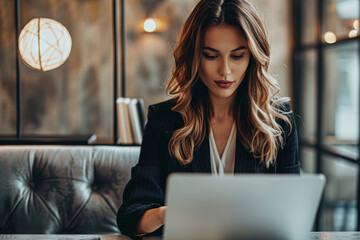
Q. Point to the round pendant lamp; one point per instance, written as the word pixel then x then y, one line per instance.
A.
pixel 44 44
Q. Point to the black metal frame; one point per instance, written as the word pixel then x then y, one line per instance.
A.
pixel 116 90
pixel 18 76
pixel 19 139
pixel 319 46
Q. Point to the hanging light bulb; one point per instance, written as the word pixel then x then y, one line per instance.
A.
pixel 44 44
pixel 150 25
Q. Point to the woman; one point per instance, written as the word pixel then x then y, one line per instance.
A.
pixel 225 116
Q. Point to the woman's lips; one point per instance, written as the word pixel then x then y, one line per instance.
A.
pixel 224 84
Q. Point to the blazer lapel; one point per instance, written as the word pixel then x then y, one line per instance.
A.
pixel 201 160
pixel 244 162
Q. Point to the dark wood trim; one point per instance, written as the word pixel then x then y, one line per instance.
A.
pixel 46 140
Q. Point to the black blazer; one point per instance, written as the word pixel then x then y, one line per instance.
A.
pixel 146 188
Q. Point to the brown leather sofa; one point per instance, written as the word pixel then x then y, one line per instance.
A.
pixel 63 189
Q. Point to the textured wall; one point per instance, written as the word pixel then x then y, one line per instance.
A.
pixel 7 68
pixel 149 57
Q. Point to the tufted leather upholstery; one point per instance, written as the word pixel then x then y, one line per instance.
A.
pixel 61 189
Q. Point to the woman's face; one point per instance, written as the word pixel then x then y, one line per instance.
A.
pixel 225 58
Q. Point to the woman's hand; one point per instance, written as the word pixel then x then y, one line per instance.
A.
pixel 162 212
pixel 151 220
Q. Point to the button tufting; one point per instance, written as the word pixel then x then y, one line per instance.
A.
pixel 32 185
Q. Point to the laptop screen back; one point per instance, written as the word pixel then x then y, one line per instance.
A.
pixel 201 206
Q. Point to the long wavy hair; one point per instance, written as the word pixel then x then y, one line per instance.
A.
pixel 257 105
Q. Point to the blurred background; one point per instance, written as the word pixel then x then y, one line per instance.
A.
pixel 314 56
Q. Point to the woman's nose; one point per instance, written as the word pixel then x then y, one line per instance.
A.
pixel 224 68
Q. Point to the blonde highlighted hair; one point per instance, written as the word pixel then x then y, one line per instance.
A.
pixel 257 106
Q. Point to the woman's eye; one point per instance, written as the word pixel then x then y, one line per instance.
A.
pixel 210 57
pixel 237 56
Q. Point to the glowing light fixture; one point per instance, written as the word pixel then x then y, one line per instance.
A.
pixel 353 33
pixel 356 25
pixel 330 37
pixel 44 44
pixel 150 25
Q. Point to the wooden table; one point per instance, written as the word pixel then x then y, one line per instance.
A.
pixel 312 236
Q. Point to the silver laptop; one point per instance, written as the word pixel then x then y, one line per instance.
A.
pixel 281 207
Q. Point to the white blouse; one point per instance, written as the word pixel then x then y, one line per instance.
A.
pixel 225 164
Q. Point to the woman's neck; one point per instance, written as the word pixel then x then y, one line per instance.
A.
pixel 222 109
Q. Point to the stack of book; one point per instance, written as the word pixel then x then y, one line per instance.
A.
pixel 131 120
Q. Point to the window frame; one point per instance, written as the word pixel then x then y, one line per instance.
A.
pixel 319 145
pixel 118 41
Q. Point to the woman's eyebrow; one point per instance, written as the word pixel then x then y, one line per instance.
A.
pixel 211 49
pixel 215 50
pixel 239 48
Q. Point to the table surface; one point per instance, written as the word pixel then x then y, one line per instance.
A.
pixel 312 236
